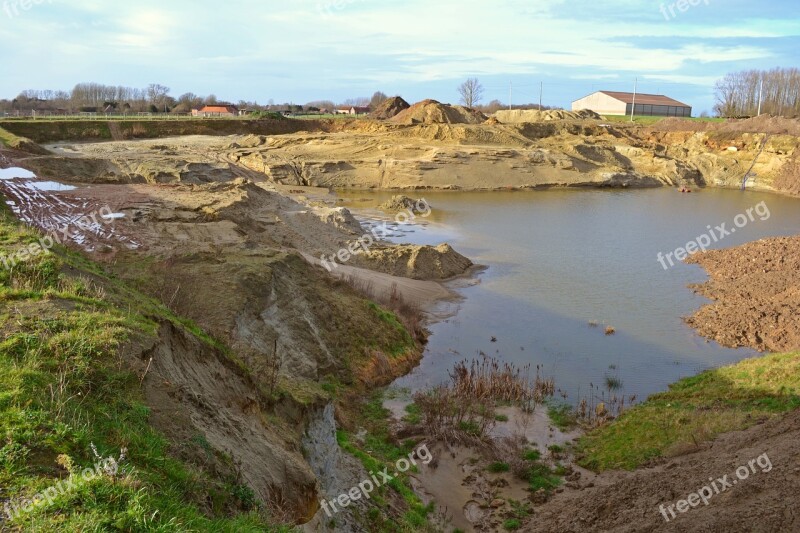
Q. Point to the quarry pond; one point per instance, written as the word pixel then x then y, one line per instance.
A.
pixel 564 265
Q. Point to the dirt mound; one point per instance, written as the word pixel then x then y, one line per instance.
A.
pixel 341 218
pixel 400 202
pixel 418 262
pixel 520 116
pixel 390 108
pixel 764 124
pixel 433 112
pixel 630 501
pixel 757 292
pixel 761 124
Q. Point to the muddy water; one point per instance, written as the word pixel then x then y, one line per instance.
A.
pixel 560 260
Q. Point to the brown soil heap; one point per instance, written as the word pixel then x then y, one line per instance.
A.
pixel 630 501
pixel 390 108
pixel 760 124
pixel 757 291
pixel 433 112
pixel 400 202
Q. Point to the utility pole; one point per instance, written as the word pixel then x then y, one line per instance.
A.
pixel 510 95
pixel 541 91
pixel 760 95
pixel 633 106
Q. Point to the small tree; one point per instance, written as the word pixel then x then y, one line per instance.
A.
pixel 471 92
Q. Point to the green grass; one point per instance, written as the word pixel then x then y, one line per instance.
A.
pixel 562 416
pixel 414 415
pixel 540 476
pixel 64 387
pixel 6 138
pixel 532 455
pixel 406 342
pixel 695 410
pixel 498 467
pixel 379 451
pixel 512 524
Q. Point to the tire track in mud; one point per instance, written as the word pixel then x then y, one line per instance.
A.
pixel 83 222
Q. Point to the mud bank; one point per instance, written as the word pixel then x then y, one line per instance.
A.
pixel 756 290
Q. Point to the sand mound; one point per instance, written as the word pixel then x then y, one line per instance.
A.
pixel 418 262
pixel 390 108
pixel 519 116
pixel 433 112
pixel 341 218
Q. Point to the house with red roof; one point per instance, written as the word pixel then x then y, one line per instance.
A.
pixel 216 110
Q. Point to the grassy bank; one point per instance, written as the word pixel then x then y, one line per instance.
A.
pixel 65 388
pixel 695 410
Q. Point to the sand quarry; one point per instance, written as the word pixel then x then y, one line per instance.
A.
pixel 196 208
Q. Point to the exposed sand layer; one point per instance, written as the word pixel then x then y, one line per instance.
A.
pixel 756 288
pixel 451 156
pixel 520 116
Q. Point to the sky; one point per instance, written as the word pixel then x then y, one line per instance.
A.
pixel 304 50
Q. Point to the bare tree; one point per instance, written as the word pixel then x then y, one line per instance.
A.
pixel 738 93
pixel 471 92
pixel 156 93
pixel 362 101
pixel 377 99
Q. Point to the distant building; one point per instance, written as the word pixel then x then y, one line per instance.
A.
pixel 352 110
pixel 617 103
pixel 217 110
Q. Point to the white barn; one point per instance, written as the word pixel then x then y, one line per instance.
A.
pixel 617 103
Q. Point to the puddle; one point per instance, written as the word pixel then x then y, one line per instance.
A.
pixel 16 172
pixel 51 186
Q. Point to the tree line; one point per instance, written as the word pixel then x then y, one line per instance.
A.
pixel 738 93
pixel 155 98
